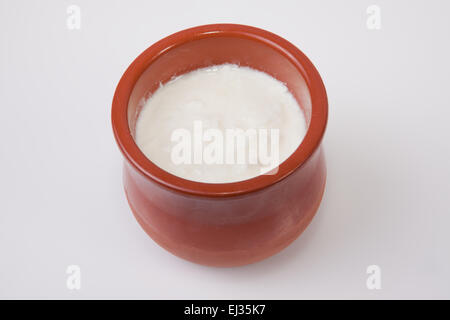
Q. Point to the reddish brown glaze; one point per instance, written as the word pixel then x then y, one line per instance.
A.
pixel 234 223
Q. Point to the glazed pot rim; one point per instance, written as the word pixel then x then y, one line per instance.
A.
pixel 135 157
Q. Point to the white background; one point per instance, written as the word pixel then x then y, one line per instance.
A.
pixel 387 147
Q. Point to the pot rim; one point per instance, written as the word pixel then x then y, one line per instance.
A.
pixel 134 156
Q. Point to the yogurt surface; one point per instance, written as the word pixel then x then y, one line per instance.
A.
pixel 219 99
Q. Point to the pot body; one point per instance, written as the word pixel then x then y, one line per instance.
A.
pixel 228 231
pixel 226 224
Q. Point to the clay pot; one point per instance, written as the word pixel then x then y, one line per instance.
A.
pixel 226 224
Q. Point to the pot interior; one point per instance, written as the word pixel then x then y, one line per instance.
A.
pixel 215 50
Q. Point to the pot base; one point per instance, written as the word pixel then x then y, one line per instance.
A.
pixel 229 258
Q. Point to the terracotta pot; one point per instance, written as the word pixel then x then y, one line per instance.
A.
pixel 233 223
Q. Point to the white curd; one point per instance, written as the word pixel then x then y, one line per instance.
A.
pixel 223 97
